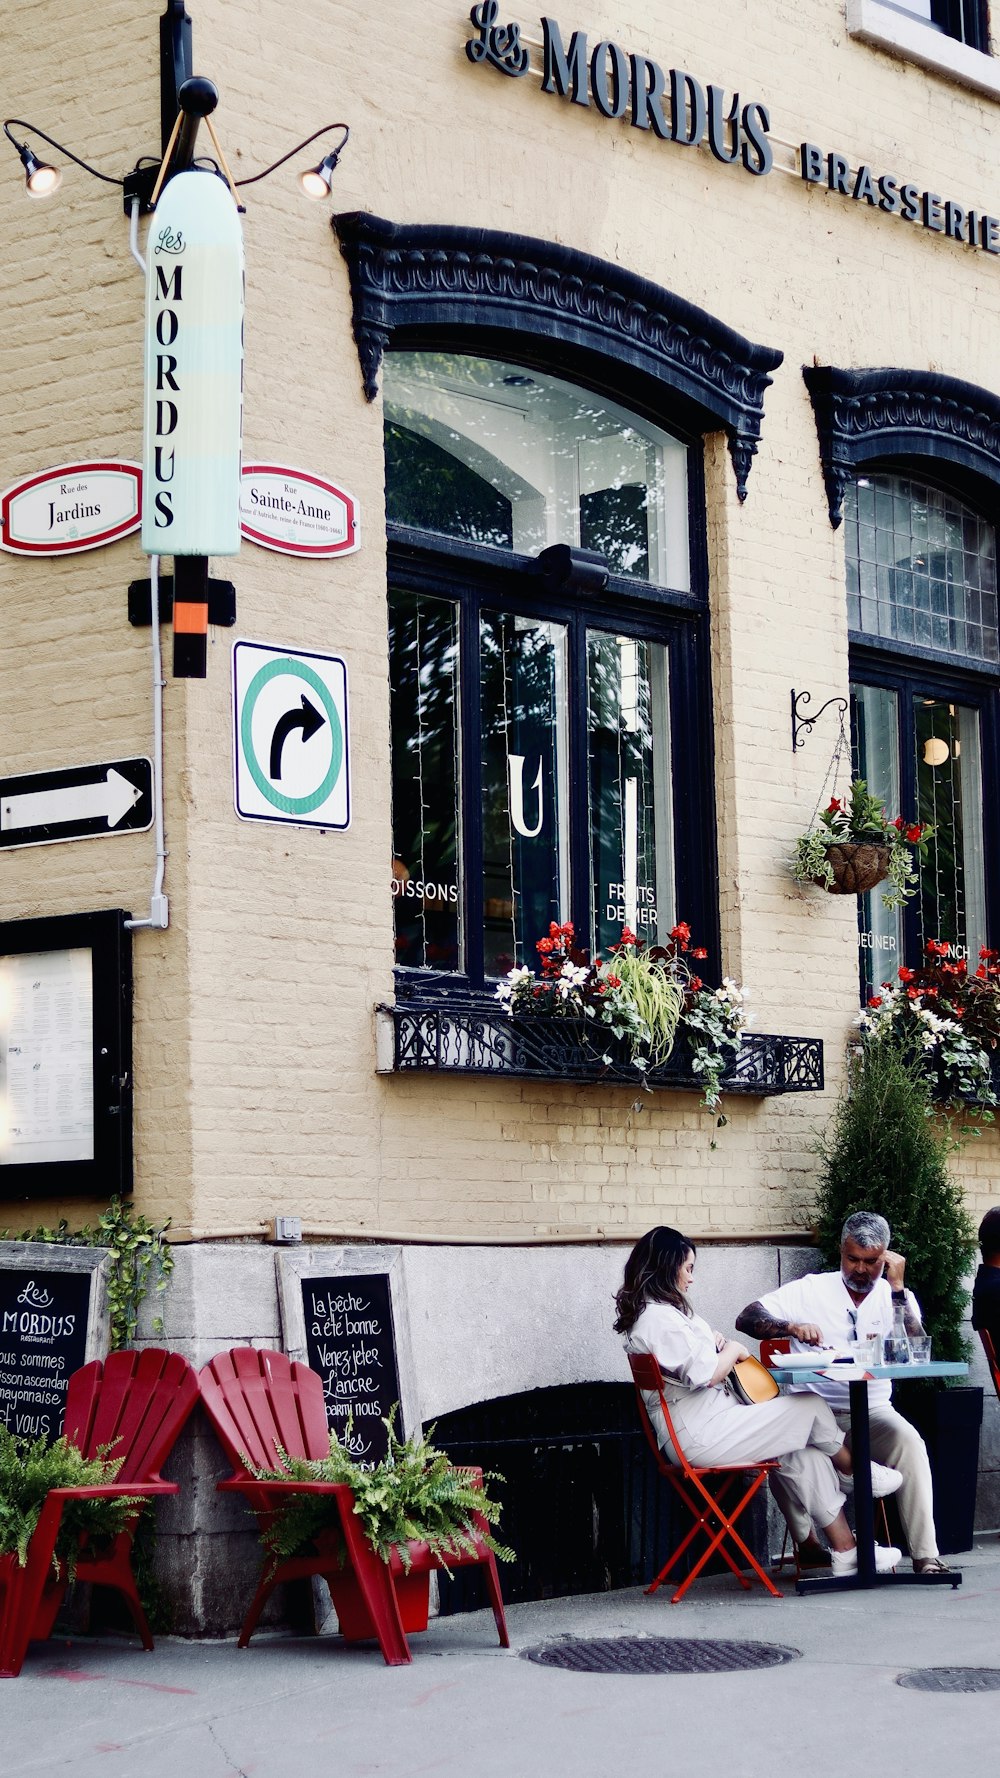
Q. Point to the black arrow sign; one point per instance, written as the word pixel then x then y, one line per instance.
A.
pixel 308 719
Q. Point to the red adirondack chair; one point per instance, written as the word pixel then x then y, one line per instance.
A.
pixel 259 1401
pixel 136 1402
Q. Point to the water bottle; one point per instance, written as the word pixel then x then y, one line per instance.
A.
pixel 898 1345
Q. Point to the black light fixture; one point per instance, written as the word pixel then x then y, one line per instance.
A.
pixel 43 179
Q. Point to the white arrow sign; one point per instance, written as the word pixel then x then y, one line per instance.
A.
pixel 110 800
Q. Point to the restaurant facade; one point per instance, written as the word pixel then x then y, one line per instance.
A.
pixel 619 436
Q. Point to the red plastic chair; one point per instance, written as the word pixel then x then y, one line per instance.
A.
pixel 136 1402
pixel 259 1401
pixel 991 1358
pixel 708 1509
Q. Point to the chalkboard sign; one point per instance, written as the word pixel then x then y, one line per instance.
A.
pixel 44 1338
pixel 349 1341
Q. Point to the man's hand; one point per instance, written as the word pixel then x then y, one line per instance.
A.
pixel 895 1270
pixel 807 1332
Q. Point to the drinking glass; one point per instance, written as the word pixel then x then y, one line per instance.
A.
pixel 869 1350
pixel 896 1350
pixel 920 1346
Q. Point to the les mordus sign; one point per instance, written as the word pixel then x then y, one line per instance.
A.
pixel 193 371
pixel 678 107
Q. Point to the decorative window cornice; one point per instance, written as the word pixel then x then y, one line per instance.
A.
pixel 416 285
pixel 866 415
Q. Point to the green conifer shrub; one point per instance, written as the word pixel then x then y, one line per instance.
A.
pixel 887 1150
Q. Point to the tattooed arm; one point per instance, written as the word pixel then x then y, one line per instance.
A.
pixel 756 1321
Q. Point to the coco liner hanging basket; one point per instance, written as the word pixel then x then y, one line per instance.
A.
pixel 856 868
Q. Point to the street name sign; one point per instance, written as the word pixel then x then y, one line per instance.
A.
pixel 76 803
pixel 290 736
pixel 74 507
pixel 297 514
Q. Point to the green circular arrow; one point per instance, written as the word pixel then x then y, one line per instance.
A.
pixel 292 805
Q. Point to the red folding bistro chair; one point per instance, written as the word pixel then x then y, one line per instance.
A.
pixel 712 1518
pixel 136 1403
pixel 261 1405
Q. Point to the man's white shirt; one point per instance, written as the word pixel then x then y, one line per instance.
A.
pixel 823 1299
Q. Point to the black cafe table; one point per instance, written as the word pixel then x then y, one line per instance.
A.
pixel 864 1516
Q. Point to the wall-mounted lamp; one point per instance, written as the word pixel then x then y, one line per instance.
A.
pixel 44 180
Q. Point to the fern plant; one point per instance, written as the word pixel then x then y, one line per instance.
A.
pixel 414 1493
pixel 29 1468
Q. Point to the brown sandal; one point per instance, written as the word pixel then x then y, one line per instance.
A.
pixel 931 1565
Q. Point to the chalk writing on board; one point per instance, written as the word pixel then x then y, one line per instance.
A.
pixel 349 1341
pixel 43 1340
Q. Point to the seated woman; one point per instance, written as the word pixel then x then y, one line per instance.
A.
pixel 655 1316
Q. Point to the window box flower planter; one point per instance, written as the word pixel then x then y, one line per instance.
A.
pixel 467 1033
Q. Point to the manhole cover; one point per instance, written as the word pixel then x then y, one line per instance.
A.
pixel 951 1679
pixel 658 1654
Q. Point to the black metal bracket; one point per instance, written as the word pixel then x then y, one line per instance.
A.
pixel 139 184
pixel 221 602
pixel 802 724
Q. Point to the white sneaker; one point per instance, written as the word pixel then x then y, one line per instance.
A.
pixel 846 1561
pixel 884 1481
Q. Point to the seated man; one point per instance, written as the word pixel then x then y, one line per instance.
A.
pixel 986 1290
pixel 835 1309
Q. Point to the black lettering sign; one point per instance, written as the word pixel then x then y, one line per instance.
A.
pixel 350 1343
pixel 43 1340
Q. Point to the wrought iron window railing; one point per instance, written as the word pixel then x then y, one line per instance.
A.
pixel 469 1033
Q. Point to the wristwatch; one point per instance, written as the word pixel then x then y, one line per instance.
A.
pixel 899 1296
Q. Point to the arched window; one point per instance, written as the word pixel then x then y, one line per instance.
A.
pixel 921 583
pixel 549 713
pixel 549 648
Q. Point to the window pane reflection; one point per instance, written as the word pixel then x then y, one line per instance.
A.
pixel 486 450
pixel 880 929
pixel 921 567
pixel 630 820
pixel 525 785
pixel 952 903
pixel 426 887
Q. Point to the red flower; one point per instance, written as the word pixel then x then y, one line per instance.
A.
pixel 695 983
pixel 835 806
pixel 899 824
pixel 906 975
pixel 612 981
pixel 914 833
pixel 545 947
pixel 875 1001
pixel 628 937
pixel 681 932
pixel 913 993
pixel 700 953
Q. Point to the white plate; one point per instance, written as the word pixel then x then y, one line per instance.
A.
pixel 790 1361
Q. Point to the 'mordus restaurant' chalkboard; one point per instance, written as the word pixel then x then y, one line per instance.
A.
pixel 44 1324
pixel 350 1342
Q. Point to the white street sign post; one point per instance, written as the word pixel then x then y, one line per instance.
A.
pixel 290 736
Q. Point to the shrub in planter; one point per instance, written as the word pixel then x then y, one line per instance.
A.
pixel 414 1494
pixel 28 1469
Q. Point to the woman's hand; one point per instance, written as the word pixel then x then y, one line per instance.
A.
pixel 730 1352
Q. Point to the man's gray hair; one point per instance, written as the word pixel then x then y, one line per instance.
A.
pixel 867 1229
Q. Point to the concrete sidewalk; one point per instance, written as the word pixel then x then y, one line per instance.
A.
pixel 468 1709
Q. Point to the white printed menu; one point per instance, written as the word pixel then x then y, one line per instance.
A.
pixel 47 1056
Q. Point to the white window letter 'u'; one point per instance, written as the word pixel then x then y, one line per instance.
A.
pixel 515 771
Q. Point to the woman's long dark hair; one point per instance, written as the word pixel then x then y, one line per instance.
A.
pixel 651 1276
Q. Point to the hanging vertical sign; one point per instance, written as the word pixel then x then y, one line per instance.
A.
pixel 193 371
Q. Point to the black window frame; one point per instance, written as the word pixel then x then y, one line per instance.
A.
pixel 479 577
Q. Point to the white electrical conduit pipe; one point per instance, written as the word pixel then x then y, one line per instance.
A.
pixel 159 913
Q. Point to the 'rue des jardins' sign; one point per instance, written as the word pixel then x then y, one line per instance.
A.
pixel 678 107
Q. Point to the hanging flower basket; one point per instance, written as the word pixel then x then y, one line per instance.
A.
pixel 856 868
pixel 853 845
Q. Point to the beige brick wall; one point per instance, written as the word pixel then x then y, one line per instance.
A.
pixel 255 1083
